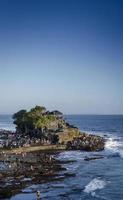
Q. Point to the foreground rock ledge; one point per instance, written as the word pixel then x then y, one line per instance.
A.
pixel 24 169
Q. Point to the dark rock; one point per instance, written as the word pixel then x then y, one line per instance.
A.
pixel 25 170
pixel 93 158
pixel 69 174
pixel 87 143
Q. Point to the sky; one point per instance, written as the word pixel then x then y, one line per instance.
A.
pixel 62 54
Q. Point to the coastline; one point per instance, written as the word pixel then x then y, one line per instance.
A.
pixel 27 159
pixel 84 165
pixel 21 170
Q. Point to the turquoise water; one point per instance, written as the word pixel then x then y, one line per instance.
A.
pixel 94 180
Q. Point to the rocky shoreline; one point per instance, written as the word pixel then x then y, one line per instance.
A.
pixel 69 139
pixel 21 170
pixel 24 166
pixel 87 142
pixel 27 155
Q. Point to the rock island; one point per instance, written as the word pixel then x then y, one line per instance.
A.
pixel 27 155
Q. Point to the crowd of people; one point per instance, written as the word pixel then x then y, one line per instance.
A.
pixel 87 142
pixel 11 140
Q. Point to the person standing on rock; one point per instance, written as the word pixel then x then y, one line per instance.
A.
pixel 38 195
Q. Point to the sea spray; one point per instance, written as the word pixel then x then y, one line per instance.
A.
pixel 94 185
pixel 115 146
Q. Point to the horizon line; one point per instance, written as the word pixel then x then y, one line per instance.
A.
pixel 74 114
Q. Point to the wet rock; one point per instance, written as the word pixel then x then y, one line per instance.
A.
pixel 70 174
pixel 87 143
pixel 21 174
pixel 93 158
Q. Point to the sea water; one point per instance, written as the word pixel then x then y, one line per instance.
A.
pixel 100 179
pixel 6 122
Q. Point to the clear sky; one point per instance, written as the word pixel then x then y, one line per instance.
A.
pixel 63 54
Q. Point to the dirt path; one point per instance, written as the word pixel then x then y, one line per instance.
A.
pixel 34 148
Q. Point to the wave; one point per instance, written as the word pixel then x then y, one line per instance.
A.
pixel 94 185
pixel 115 146
pixel 8 127
pixel 114 143
pixel 71 155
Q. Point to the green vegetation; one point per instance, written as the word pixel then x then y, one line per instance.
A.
pixel 38 122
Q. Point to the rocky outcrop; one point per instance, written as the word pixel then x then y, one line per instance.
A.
pixel 68 134
pixel 86 142
pixel 41 127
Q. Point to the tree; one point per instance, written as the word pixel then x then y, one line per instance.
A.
pixel 38 110
pixel 20 119
pixel 20 114
pixel 37 123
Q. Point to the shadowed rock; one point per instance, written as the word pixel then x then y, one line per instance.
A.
pixel 87 143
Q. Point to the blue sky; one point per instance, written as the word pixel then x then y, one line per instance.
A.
pixel 64 54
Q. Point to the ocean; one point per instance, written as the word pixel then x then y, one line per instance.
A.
pixel 100 179
pixel 6 122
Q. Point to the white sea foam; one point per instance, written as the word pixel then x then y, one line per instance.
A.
pixel 115 145
pixel 71 155
pixel 94 185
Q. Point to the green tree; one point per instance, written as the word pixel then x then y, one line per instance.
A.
pixel 20 119
pixel 37 123
pixel 38 111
